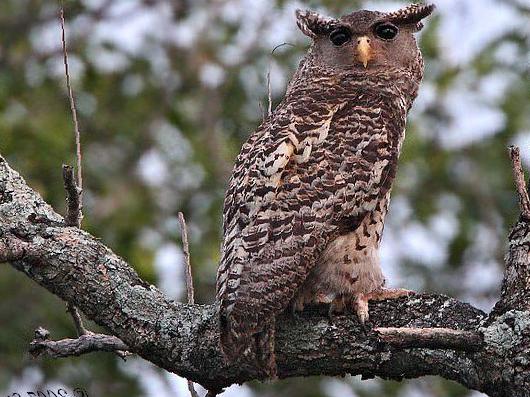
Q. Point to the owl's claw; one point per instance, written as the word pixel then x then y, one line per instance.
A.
pixel 361 300
pixel 361 308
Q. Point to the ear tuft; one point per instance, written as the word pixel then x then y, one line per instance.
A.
pixel 412 14
pixel 313 24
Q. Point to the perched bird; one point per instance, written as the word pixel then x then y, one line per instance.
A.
pixel 306 203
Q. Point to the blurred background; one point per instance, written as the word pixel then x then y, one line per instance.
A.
pixel 167 91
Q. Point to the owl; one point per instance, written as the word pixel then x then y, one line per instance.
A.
pixel 305 207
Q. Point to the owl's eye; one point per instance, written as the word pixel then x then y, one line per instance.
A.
pixel 340 36
pixel 386 31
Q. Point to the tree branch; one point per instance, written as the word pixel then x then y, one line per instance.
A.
pixel 432 338
pixel 86 343
pixel 184 339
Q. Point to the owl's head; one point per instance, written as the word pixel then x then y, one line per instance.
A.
pixel 366 40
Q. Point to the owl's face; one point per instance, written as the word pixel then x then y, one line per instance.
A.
pixel 366 40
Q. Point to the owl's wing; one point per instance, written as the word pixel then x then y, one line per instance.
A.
pixel 292 189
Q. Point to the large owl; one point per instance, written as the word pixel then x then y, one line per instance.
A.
pixel 305 207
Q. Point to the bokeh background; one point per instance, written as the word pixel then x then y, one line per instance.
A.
pixel 166 93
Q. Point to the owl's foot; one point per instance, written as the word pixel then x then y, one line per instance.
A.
pixel 361 300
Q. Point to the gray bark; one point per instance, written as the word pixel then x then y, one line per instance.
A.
pixel 183 338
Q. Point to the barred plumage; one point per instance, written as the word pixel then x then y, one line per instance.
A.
pixel 304 211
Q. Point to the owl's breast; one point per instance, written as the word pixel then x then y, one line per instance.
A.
pixel 349 264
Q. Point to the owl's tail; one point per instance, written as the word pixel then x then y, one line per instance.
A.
pixel 266 355
pixel 256 349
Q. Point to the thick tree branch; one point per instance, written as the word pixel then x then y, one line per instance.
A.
pixel 183 338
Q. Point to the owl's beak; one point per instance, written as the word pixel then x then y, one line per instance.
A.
pixel 364 50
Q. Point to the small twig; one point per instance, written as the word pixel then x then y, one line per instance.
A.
pixel 72 105
pixel 518 176
pixel 87 343
pixel 269 88
pixel 80 328
pixel 186 250
pixel 433 338
pixel 73 198
pixel 189 278
pixel 74 189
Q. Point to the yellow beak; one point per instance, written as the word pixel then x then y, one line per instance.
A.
pixel 364 51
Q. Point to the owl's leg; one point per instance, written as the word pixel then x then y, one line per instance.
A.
pixel 361 300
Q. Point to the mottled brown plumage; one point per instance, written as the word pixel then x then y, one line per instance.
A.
pixel 305 207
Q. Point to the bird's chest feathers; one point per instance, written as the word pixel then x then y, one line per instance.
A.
pixel 295 143
pixel 350 262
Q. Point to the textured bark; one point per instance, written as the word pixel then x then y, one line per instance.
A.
pixel 433 338
pixel 183 338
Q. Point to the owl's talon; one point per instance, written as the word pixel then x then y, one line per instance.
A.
pixel 361 308
pixel 361 301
